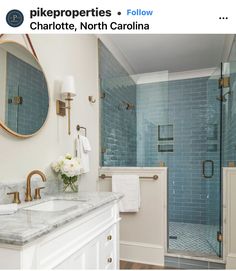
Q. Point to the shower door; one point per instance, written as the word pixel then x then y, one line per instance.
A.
pixel 221 142
pixel 194 194
pixel 212 166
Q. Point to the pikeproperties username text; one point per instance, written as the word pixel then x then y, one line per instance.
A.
pixel 69 13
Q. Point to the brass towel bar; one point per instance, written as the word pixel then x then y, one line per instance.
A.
pixel 154 177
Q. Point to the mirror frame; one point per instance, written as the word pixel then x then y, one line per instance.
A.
pixel 2 125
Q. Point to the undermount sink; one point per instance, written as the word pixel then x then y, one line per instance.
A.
pixel 53 205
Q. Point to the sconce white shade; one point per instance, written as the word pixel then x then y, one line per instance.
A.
pixel 68 86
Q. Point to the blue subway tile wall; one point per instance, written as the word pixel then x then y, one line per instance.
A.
pixel 118 124
pixel 152 111
pixel 28 82
pixel 191 107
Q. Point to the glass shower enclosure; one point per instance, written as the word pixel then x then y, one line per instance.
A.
pixel 188 125
pixel 213 144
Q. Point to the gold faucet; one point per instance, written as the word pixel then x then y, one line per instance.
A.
pixel 28 196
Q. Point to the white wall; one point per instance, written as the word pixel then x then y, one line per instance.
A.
pixel 143 234
pixel 59 55
pixel 229 211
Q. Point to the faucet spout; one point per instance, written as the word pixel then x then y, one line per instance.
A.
pixel 28 196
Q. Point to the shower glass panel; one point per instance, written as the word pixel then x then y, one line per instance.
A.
pixel 229 116
pixel 194 167
pixel 118 112
pixel 212 165
pixel 155 133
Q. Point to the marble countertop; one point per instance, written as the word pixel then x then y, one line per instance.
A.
pixel 25 226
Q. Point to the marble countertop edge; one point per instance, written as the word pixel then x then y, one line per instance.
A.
pixel 25 226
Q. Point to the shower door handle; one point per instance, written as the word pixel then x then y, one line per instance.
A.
pixel 204 163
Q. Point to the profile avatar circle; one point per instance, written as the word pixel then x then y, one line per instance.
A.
pixel 15 18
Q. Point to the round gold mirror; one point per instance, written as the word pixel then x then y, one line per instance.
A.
pixel 24 98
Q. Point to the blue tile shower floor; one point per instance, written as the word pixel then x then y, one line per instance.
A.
pixel 193 239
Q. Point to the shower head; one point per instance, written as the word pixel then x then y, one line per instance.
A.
pixel 126 106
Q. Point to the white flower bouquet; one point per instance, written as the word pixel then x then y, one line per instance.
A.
pixel 68 168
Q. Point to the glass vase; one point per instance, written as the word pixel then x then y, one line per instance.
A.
pixel 70 184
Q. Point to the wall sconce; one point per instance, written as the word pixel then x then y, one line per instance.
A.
pixel 67 93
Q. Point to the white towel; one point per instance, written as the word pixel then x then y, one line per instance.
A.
pixel 85 143
pixel 82 155
pixel 8 209
pixel 129 185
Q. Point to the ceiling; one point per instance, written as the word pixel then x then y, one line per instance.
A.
pixel 175 53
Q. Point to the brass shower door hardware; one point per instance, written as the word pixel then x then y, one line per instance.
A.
pixel 103 95
pixel 16 198
pixel 231 164
pixel 103 150
pixel 17 100
pixel 224 82
pixel 219 236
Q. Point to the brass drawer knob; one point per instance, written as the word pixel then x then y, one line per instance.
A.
pixel 109 260
pixel 109 237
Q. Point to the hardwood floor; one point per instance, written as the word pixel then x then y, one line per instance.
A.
pixel 131 265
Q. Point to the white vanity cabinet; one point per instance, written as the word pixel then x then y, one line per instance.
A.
pixel 100 253
pixel 88 242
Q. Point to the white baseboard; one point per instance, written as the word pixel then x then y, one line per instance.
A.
pixel 231 261
pixel 142 253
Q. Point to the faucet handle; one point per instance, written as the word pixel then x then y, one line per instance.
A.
pixel 16 198
pixel 37 192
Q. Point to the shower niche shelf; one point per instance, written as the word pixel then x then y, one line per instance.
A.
pixel 165 132
pixel 166 148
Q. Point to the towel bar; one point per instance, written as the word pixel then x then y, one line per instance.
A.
pixel 154 177
pixel 78 128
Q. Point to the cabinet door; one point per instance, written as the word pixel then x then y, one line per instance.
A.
pixel 92 255
pixel 85 258
pixel 100 253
